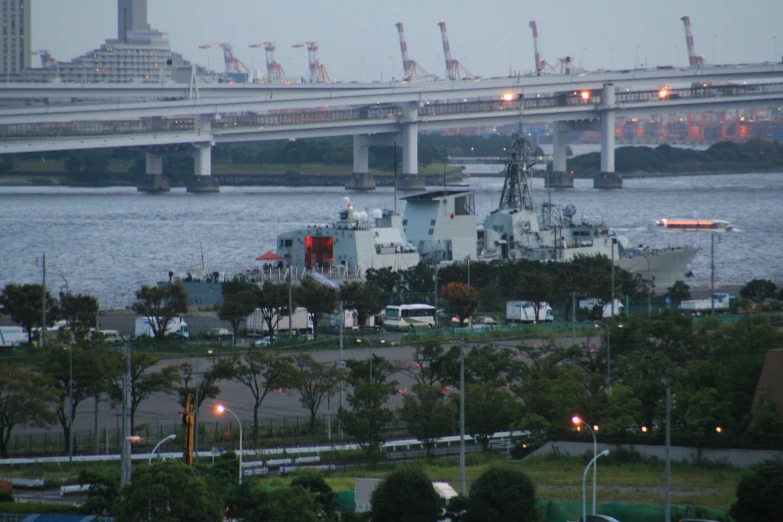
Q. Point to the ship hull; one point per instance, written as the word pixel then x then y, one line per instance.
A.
pixel 666 266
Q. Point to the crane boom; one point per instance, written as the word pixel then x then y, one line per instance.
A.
pixel 693 59
pixel 453 67
pixel 410 67
pixel 539 67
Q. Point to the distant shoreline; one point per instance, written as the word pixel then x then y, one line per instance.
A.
pixel 323 180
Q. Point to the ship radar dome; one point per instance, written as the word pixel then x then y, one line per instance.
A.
pixel 377 213
pixel 363 216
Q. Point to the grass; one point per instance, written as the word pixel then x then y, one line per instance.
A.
pixel 557 478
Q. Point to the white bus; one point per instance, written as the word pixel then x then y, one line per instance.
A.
pixel 409 316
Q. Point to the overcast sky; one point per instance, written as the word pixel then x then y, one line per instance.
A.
pixel 483 34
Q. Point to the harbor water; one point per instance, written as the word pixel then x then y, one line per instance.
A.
pixel 109 241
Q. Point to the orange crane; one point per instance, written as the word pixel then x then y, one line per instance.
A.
pixel 233 64
pixel 274 71
pixel 318 73
pixel 412 69
pixel 694 60
pixel 454 69
pixel 563 64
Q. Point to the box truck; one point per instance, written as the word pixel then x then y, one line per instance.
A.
pixel 175 327
pixel 524 312
pixel 301 323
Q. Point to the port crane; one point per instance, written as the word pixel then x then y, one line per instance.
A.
pixel 318 73
pixel 47 60
pixel 412 69
pixel 454 69
pixel 563 65
pixel 694 60
pixel 274 71
pixel 233 64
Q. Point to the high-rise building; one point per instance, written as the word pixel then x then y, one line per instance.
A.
pixel 16 52
pixel 131 16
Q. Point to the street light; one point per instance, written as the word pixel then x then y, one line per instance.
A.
pixel 582 64
pixel 577 421
pixel 608 353
pixel 221 409
pixel 611 50
pixel 362 339
pixel 70 401
pixel 170 437
pixel 361 71
pixel 462 480
pixel 509 63
pixel 584 479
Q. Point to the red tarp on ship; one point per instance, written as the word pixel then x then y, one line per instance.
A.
pixel 269 256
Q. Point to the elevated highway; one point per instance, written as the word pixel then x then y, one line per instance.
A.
pixel 376 114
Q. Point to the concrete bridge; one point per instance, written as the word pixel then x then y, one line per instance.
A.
pixel 159 117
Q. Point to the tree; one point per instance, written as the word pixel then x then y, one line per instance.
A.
pixel 206 387
pixel 325 497
pixel 760 495
pixel 261 372
pixel 23 304
pixel 319 300
pixel 427 415
pixel 502 494
pixel 487 409
pixel 315 382
pixel 362 297
pixel 23 398
pixel 168 491
pixel 144 383
pixel 368 416
pixel 405 495
pixel 430 364
pixel 461 300
pixel 757 290
pixel 537 287
pixel 91 373
pixel 80 313
pixel 103 493
pixel 237 307
pixel 160 304
pixel 678 292
pixel 273 303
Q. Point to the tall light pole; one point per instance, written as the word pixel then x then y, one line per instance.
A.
pixel 577 422
pixel 170 437
pixel 70 402
pixel 611 50
pixel 608 353
pixel 462 481
pixel 714 36
pixel 361 70
pixel 510 69
pixel 584 480
pixel 221 409
pixel 291 294
pixel 677 55
pixel 362 339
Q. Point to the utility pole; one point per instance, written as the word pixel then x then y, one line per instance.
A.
pixel 290 297
pixel 712 274
pixel 462 486
pixel 613 243
pixel 573 318
pixel 43 302
pixel 395 177
pixel 342 320
pixel 667 487
pixel 126 427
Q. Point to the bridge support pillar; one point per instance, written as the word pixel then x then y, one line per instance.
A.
pixel 559 177
pixel 154 181
pixel 410 180
pixel 608 178
pixel 361 179
pixel 203 181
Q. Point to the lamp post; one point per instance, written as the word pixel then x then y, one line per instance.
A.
pixel 510 69
pixel 608 353
pixel 196 386
pixel 584 480
pixel 611 51
pixel 361 70
pixel 577 422
pixel 359 340
pixel 462 481
pixel 221 409
pixel 170 437
pixel 649 290
pixel 70 402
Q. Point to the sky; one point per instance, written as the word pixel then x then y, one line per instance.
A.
pixel 358 39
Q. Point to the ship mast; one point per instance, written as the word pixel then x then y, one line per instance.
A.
pixel 517 193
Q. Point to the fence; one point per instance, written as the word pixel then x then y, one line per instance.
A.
pixel 566 511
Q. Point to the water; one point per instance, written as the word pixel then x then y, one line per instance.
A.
pixel 107 242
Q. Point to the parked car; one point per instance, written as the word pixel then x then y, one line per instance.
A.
pixel 265 341
pixel 218 333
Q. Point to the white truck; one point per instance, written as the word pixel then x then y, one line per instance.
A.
pixel 525 312
pixel 175 327
pixel 591 302
pixel 723 303
pixel 351 321
pixel 301 322
pixel 11 336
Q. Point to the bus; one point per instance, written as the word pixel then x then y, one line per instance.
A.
pixel 409 316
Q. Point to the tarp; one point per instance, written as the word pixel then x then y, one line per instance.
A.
pixel 269 256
